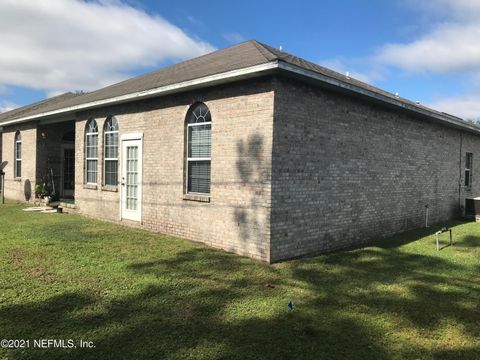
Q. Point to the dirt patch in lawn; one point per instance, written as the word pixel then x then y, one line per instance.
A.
pixel 17 257
pixel 39 272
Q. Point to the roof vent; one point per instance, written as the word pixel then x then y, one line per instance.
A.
pixel 280 48
pixel 347 75
pixel 397 95
pixel 418 102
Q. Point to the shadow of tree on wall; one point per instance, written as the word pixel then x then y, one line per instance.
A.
pixel 209 304
pixel 253 175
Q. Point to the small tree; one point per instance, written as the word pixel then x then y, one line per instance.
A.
pixel 473 121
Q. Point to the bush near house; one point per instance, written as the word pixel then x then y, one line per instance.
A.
pixel 136 294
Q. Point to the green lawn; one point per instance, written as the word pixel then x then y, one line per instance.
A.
pixel 141 295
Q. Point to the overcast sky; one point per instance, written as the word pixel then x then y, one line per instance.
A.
pixel 426 50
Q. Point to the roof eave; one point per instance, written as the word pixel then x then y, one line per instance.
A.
pixel 211 80
pixel 256 71
pixel 347 87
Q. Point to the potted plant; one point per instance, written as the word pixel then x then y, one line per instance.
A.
pixel 44 189
pixel 39 190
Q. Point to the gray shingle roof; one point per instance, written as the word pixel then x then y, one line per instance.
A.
pixel 240 56
pixel 37 107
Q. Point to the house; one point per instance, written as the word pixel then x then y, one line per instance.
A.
pixel 248 149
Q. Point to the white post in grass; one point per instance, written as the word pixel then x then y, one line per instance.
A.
pixel 2 185
pixel 2 179
pixel 426 216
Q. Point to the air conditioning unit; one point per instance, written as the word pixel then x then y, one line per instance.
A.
pixel 472 208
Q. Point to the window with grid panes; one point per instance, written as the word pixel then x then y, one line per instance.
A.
pixel 91 152
pixel 110 172
pixel 199 144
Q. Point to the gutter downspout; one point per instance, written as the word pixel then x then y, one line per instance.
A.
pixel 460 175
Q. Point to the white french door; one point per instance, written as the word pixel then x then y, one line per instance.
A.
pixel 131 192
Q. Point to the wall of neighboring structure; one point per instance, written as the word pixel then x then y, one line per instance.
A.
pixel 22 189
pixel 237 218
pixel 470 143
pixel 345 171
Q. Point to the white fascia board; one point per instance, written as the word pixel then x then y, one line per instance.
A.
pixel 249 72
pixel 133 136
pixel 163 90
pixel 446 119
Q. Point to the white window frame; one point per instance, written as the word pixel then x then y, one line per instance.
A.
pixel 468 169
pixel 191 159
pixel 105 159
pixel 87 159
pixel 18 141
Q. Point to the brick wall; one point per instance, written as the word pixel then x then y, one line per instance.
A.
pixel 238 216
pixel 22 189
pixel 345 172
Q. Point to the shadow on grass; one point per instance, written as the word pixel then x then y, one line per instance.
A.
pixel 408 237
pixel 378 302
pixel 209 304
pixel 469 241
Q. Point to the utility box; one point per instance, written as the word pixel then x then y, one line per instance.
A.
pixel 472 208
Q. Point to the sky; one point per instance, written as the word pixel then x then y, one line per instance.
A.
pixel 425 50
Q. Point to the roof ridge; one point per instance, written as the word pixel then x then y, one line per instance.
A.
pixel 248 54
pixel 310 65
pixel 262 48
pixel 172 65
pixel 277 53
pixel 242 55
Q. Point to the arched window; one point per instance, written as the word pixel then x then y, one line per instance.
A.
pixel 111 151
pixel 91 152
pixel 199 144
pixel 18 154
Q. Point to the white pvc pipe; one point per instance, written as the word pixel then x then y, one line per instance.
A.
pixel 426 216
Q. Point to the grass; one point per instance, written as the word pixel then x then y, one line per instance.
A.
pixel 141 295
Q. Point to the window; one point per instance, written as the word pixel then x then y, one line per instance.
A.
pixel 468 169
pixel 18 155
pixel 91 152
pixel 111 152
pixel 199 134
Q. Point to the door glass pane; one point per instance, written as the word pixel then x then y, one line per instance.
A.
pixel 68 169
pixel 132 178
